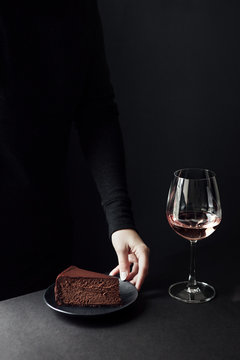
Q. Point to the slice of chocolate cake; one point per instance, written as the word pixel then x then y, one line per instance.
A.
pixel 80 287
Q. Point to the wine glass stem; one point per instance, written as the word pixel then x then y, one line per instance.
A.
pixel 192 282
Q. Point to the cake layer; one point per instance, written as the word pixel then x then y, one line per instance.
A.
pixel 76 286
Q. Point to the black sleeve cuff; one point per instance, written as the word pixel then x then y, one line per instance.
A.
pixel 119 215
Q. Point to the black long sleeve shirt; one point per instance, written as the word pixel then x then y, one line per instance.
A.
pixel 53 72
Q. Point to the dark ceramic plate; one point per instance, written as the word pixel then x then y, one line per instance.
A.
pixel 128 294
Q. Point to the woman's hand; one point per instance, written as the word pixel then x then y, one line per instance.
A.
pixel 130 249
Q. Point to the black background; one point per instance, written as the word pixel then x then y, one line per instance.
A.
pixel 175 68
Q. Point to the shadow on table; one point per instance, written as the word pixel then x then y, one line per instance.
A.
pixel 112 319
pixel 125 315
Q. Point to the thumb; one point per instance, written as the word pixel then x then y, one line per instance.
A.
pixel 123 262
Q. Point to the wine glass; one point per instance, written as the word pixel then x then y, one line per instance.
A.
pixel 194 212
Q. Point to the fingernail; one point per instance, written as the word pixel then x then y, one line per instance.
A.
pixel 123 275
pixel 110 274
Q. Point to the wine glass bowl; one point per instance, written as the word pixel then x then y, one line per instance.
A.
pixel 193 212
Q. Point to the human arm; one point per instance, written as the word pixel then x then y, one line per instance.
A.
pixel 102 145
pixel 97 122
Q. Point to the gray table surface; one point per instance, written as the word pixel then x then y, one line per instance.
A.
pixel 155 327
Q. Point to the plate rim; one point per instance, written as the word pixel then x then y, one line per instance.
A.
pixel 111 309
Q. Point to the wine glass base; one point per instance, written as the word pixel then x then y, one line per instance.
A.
pixel 199 294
